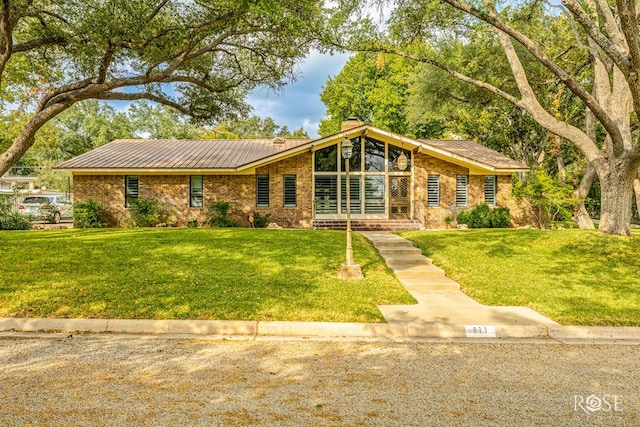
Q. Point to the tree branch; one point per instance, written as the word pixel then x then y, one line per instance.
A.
pixel 203 84
pixel 454 73
pixel 34 44
pixel 532 105
pixel 493 20
pixel 104 64
pixel 610 22
pixel 593 31
pixel 629 27
pixel 122 96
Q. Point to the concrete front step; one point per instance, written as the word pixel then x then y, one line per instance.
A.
pixel 420 271
pixel 406 260
pixel 391 251
pixel 392 243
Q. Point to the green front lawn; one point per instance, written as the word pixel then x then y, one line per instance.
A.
pixel 239 274
pixel 572 276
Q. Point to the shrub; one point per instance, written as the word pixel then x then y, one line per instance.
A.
pixel 146 212
pixel 14 221
pixel 500 218
pixel 482 216
pixel 218 212
pixel 261 221
pixel 88 214
pixel 9 219
pixel 192 223
pixel 463 218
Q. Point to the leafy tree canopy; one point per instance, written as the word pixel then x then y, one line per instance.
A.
pixel 374 88
pixel 200 57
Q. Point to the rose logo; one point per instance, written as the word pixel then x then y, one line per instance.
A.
pixel 593 403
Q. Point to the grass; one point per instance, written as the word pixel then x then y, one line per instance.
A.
pixel 575 277
pixel 232 274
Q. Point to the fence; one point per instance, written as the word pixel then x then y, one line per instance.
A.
pixel 16 196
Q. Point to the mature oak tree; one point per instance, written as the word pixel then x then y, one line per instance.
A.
pixel 200 57
pixel 607 31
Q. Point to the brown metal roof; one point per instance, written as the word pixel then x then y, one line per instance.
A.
pixel 179 154
pixel 222 154
pixel 476 153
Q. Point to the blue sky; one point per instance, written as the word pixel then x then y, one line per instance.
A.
pixel 298 104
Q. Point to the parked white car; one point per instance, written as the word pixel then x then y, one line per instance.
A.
pixel 48 208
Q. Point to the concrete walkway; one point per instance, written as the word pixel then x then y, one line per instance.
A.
pixel 439 298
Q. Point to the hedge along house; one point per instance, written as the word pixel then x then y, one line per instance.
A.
pixel 395 181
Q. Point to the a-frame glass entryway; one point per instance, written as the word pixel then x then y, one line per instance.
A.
pixel 380 181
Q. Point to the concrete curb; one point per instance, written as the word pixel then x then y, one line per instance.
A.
pixel 277 329
pixel 595 332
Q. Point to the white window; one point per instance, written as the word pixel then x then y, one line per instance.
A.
pixel 490 190
pixel 433 191
pixel 462 190
pixel 195 200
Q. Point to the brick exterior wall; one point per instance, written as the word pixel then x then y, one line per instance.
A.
pixel 434 217
pixel 239 190
pixel 293 217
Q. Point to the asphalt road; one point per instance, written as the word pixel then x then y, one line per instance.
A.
pixel 116 380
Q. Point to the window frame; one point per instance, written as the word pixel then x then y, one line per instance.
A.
pixel 260 188
pixel 431 204
pixel 494 196
pixel 193 193
pixel 293 189
pixel 127 194
pixel 460 194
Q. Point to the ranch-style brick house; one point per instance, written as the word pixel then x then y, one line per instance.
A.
pixel 395 181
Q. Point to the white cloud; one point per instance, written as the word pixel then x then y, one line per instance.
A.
pixel 298 104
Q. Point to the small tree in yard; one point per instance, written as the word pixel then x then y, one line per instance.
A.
pixel 549 198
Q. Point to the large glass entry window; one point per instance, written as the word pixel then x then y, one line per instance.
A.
pixel 373 172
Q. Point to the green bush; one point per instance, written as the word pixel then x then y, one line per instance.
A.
pixel 9 219
pixel 463 218
pixel 482 216
pixel 88 214
pixel 146 212
pixel 218 212
pixel 500 218
pixel 192 223
pixel 261 221
pixel 14 221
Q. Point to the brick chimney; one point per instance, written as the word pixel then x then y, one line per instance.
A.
pixel 350 123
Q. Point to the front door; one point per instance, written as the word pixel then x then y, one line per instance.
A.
pixel 399 200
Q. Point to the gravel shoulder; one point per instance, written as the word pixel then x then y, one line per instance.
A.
pixel 96 380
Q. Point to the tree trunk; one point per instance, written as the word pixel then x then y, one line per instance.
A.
pixel 579 210
pixel 616 198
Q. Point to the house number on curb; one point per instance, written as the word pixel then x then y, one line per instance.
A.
pixel 480 331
